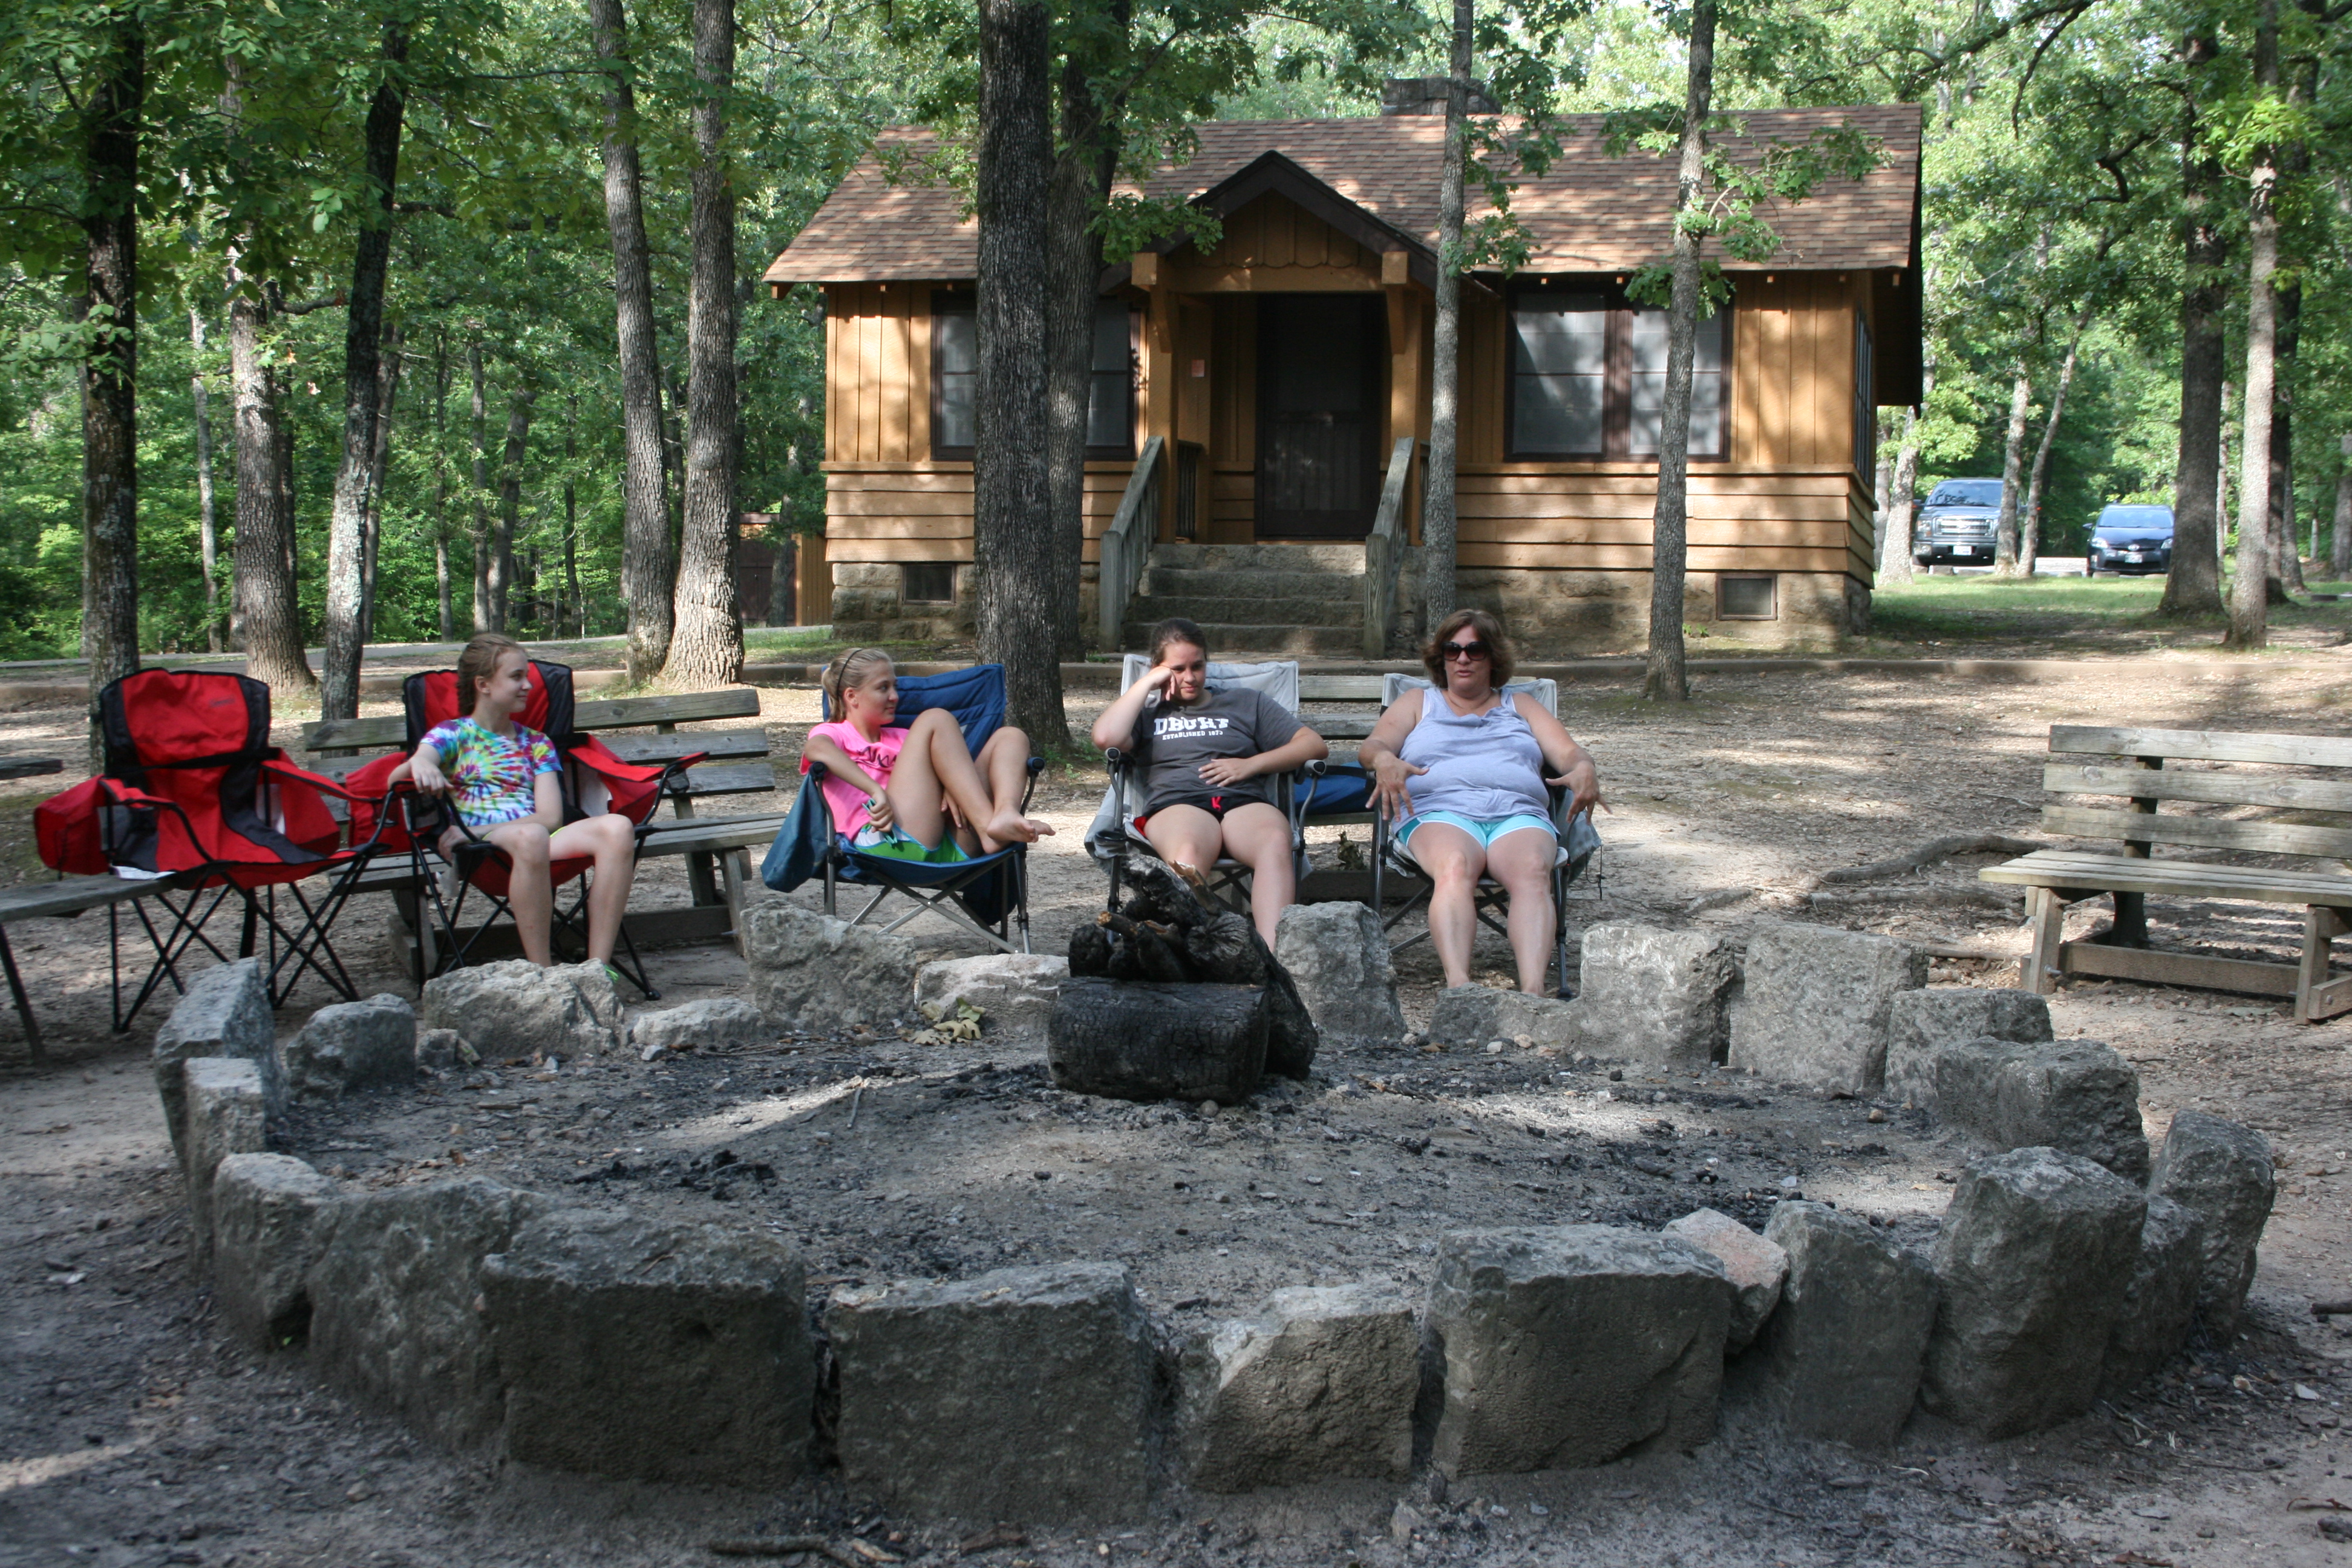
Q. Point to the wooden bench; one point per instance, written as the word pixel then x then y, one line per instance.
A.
pixel 2130 764
pixel 63 899
pixel 716 847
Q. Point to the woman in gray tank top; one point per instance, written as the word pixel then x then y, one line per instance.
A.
pixel 1461 768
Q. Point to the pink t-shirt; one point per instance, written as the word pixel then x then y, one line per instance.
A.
pixel 876 756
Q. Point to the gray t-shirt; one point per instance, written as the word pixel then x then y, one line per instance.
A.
pixel 1227 721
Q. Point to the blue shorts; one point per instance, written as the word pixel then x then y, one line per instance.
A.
pixel 1485 830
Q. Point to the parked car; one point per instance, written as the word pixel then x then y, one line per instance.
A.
pixel 2130 538
pixel 1956 524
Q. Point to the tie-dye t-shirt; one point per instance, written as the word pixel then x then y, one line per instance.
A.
pixel 493 778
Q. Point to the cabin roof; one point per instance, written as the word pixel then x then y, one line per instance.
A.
pixel 1589 212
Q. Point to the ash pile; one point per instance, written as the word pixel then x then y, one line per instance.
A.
pixel 1172 996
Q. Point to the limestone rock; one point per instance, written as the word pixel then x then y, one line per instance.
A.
pixel 444 1050
pixel 2220 1171
pixel 1920 1023
pixel 1816 1003
pixel 1473 1015
pixel 1655 996
pixel 396 1312
pixel 225 1114
pixel 516 1008
pixel 714 1023
pixel 1321 1384
pixel 1842 1355
pixel 1756 1265
pixel 1026 1393
pixel 653 1352
pixel 2160 1301
pixel 353 1045
pixel 270 1213
pixel 1013 991
pixel 2033 1260
pixel 2075 1096
pixel 1573 1346
pixel 225 1012
pixel 1339 955
pixel 809 971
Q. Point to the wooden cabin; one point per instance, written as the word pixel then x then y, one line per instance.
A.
pixel 1277 378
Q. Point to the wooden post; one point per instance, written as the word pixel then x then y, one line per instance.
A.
pixel 2038 970
pixel 2321 926
pixel 1159 390
pixel 1405 303
pixel 2130 928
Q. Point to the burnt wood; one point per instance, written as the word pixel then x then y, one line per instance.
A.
pixel 1147 1040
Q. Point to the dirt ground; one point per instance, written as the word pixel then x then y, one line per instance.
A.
pixel 132 1433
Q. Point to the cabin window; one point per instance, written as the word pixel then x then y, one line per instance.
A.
pixel 1589 378
pixel 928 583
pixel 955 372
pixel 1747 597
pixel 1110 396
pixel 1865 402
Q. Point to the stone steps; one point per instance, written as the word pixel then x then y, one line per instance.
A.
pixel 1246 608
pixel 1287 641
pixel 1287 599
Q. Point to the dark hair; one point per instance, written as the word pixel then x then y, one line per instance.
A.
pixel 480 662
pixel 850 669
pixel 1501 660
pixel 1176 628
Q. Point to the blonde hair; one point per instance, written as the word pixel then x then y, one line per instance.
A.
pixel 480 662
pixel 848 671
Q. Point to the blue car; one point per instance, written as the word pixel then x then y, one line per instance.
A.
pixel 2130 538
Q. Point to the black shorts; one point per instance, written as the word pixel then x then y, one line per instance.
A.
pixel 1216 806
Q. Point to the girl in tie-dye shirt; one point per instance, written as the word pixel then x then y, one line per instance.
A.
pixel 500 778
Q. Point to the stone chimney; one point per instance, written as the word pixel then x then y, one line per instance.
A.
pixel 1426 95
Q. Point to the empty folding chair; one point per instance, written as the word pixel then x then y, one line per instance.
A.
pixel 987 895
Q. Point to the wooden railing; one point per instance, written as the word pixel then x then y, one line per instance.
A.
pixel 1191 459
pixel 1384 553
pixel 1127 543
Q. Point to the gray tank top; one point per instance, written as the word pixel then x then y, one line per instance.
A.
pixel 1481 765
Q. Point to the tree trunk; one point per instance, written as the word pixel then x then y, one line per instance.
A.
pixel 1439 529
pixel 2030 549
pixel 2339 538
pixel 707 647
pixel 579 608
pixel 2249 595
pixel 266 619
pixel 1895 564
pixel 510 462
pixel 478 528
pixel 449 620
pixel 346 596
pixel 2192 586
pixel 2286 550
pixel 1665 679
pixel 2013 466
pixel 650 562
pixel 110 407
pixel 1081 181
pixel 1013 535
pixel 387 385
pixel 207 519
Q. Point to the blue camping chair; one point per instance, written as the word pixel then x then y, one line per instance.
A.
pixel 984 892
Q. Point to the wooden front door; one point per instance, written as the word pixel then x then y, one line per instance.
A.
pixel 1319 359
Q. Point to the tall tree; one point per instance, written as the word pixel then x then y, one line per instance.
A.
pixel 2286 550
pixel 266 620
pixel 2250 595
pixel 478 529
pixel 2192 585
pixel 379 471
pixel 1084 162
pixel 2013 458
pixel 1664 679
pixel 1896 562
pixel 707 645
pixel 651 561
pixel 511 456
pixel 112 109
pixel 208 518
pixel 1012 531
pixel 2030 534
pixel 346 628
pixel 1439 517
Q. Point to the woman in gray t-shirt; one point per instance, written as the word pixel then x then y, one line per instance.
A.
pixel 1209 757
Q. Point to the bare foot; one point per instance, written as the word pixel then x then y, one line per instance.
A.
pixel 1012 828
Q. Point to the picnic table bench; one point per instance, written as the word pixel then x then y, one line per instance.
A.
pixel 716 847
pixel 2130 763
pixel 60 900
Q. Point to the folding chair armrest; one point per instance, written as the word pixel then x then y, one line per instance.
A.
pixel 120 794
pixel 1036 770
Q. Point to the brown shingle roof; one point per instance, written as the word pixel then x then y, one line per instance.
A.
pixel 1589 212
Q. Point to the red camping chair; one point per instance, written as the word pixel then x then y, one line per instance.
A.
pixel 593 782
pixel 196 797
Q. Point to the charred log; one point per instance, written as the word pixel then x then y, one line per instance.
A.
pixel 1150 1041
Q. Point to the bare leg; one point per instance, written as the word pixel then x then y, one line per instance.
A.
pixel 529 893
pixel 1521 861
pixel 1453 861
pixel 1258 836
pixel 612 843
pixel 936 769
pixel 1184 835
pixel 1004 761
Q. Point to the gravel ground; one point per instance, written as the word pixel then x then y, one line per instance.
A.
pixel 134 1434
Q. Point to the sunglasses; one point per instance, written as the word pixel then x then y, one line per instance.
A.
pixel 1463 650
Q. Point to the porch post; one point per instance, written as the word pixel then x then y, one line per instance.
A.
pixel 1159 389
pixel 1404 366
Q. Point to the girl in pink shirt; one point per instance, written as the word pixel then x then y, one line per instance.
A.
pixel 919 779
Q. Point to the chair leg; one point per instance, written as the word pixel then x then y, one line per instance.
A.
pixel 2038 971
